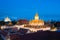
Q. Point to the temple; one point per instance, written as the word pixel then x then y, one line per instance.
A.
pixel 7 19
pixel 36 21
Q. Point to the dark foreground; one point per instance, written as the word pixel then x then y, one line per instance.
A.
pixel 40 35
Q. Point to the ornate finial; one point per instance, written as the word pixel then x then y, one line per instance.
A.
pixel 36 16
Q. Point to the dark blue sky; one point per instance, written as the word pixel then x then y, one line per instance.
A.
pixel 47 9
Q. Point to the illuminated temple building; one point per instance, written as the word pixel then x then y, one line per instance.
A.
pixel 36 21
pixel 7 19
pixel 36 24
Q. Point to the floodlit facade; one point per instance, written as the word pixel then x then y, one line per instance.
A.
pixel 7 19
pixel 36 21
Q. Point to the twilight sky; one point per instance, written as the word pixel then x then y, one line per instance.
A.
pixel 26 9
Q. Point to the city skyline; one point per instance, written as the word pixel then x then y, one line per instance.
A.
pixel 29 19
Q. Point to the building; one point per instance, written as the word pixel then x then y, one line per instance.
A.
pixel 22 21
pixel 36 21
pixel 7 19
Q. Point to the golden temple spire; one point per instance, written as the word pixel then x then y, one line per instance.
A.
pixel 36 16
